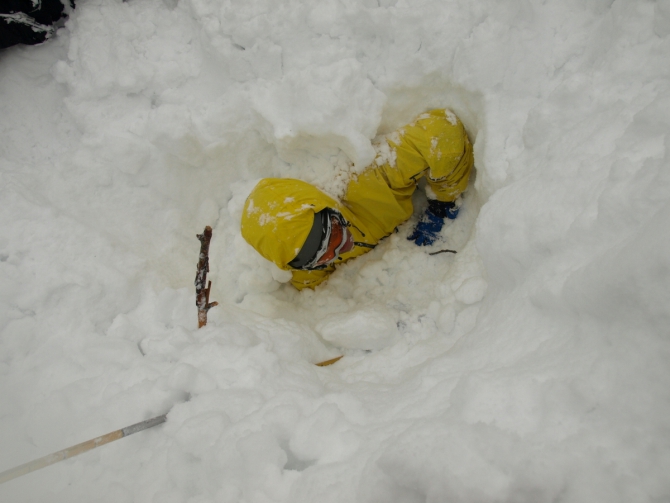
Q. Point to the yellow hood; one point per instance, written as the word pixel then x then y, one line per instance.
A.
pixel 278 216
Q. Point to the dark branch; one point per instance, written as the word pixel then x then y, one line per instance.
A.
pixel 202 292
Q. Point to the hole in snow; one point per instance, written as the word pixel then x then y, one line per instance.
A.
pixel 419 294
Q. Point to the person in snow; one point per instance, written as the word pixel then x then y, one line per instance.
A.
pixel 303 230
pixel 29 21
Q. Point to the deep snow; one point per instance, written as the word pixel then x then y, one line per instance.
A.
pixel 531 366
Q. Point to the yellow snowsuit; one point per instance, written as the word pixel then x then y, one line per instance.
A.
pixel 279 212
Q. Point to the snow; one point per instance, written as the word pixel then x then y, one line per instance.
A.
pixel 530 366
pixel 365 329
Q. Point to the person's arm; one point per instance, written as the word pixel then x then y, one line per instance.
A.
pixel 436 145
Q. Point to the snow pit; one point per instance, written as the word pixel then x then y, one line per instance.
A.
pixel 530 366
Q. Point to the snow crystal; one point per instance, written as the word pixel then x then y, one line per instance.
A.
pixel 386 154
pixel 266 218
pixel 451 117
pixel 251 209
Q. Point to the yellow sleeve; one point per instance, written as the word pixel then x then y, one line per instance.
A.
pixel 437 145
pixel 310 279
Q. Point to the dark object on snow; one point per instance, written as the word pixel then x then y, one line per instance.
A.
pixel 29 21
pixel 79 448
pixel 443 251
pixel 443 209
pixel 202 292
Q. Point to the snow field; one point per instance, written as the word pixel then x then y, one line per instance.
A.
pixel 530 366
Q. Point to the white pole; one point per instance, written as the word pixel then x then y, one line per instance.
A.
pixel 55 457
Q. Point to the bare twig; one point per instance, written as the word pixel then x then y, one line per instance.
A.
pixel 202 292
pixel 442 251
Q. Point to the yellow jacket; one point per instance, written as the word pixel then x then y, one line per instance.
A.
pixel 279 212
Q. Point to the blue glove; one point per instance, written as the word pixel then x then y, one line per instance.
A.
pixel 426 231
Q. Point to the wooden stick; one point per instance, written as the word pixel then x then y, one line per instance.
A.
pixel 75 450
pixel 202 292
pixel 328 362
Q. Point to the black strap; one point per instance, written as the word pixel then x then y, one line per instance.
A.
pixel 313 241
pixel 364 245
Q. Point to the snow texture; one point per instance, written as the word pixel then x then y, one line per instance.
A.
pixel 531 366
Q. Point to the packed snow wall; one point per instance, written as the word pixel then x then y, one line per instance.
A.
pixel 530 366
